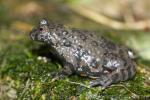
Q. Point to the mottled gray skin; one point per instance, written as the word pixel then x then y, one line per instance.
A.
pixel 86 54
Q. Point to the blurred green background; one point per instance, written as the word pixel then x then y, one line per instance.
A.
pixel 24 69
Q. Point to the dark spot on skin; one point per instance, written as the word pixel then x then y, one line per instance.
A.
pixel 80 46
pixel 114 77
pixel 106 44
pixel 64 38
pixel 123 72
pixel 59 34
pixel 67 44
pixel 63 33
pixel 109 46
pixel 107 69
pixel 121 52
pixel 91 35
pixel 94 43
pixel 129 71
pixel 125 62
pixel 133 71
pixel 95 74
pixel 60 26
pixel 72 36
pixel 84 53
pixel 51 25
pixel 83 37
pixel 94 63
pixel 55 26
pixel 85 69
pixel 74 30
pixel 46 37
pixel 103 42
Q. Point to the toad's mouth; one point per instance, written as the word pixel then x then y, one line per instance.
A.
pixel 32 36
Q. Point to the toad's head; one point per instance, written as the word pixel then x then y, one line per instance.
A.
pixel 45 32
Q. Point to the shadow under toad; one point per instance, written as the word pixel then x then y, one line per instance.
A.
pixel 47 51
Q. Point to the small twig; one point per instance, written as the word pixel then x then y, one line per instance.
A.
pixel 55 79
pixel 99 18
pixel 135 95
pixel 71 82
pixel 87 86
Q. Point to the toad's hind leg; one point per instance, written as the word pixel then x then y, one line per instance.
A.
pixel 114 77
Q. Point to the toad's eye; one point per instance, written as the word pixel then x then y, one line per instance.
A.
pixel 41 29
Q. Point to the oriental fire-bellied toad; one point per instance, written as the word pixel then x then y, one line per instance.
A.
pixel 87 54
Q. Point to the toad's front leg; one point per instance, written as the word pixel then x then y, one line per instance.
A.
pixel 66 71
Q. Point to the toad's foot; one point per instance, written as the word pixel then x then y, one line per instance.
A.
pixel 102 81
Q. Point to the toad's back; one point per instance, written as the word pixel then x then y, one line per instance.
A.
pixel 86 54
